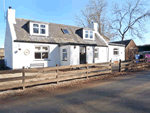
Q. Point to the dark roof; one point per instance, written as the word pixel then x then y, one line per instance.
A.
pixel 55 34
pixel 115 44
pixel 125 42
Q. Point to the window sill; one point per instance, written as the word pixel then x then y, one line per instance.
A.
pixel 42 60
pixel 89 38
pixel 41 35
pixel 116 55
pixel 64 60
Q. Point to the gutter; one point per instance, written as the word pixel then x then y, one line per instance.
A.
pixel 114 44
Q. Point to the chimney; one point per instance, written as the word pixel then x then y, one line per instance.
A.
pixel 11 15
pixel 94 26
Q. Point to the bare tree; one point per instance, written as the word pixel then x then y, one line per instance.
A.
pixel 95 11
pixel 130 19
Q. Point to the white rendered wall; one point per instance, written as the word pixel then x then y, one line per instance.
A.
pixel 8 46
pixel 116 57
pixel 102 55
pixel 74 55
pixel 65 63
pixel 10 35
pixel 89 54
pixel 20 59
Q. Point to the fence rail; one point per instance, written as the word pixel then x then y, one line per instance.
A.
pixel 53 74
pixel 131 65
pixel 62 73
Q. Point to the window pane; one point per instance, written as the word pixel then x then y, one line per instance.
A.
pixel 116 52
pixel 35 25
pixel 91 35
pixel 42 31
pixel 86 32
pixel 96 55
pixel 82 49
pixel 64 56
pixel 45 48
pixel 37 48
pixel 42 26
pixel 35 30
pixel 65 31
pixel 64 50
pixel 86 36
pixel 96 50
pixel 45 55
pixel 37 55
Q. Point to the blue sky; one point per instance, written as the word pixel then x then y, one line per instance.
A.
pixel 54 11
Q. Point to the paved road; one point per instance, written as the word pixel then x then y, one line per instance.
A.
pixel 124 94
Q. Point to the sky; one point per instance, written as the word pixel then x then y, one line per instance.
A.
pixel 53 11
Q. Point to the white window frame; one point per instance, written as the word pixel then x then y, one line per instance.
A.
pixel 42 51
pixel 89 33
pixel 116 50
pixel 39 28
pixel 63 54
pixel 97 53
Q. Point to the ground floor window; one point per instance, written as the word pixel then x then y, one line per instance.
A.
pixel 41 52
pixel 116 51
pixel 96 53
pixel 64 54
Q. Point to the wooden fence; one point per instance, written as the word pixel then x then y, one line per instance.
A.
pixel 133 65
pixel 52 74
pixel 38 76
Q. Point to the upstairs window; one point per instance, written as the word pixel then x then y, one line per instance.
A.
pixel 96 53
pixel 65 31
pixel 39 29
pixel 41 52
pixel 88 34
pixel 116 51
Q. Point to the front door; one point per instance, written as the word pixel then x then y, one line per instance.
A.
pixel 82 54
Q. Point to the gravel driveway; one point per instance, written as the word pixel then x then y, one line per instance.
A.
pixel 123 94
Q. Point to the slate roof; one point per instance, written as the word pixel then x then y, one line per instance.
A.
pixel 55 34
pixel 125 42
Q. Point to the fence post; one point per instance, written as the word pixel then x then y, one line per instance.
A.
pixel 110 66
pixel 146 62
pixel 133 64
pixel 23 78
pixel 120 65
pixel 57 72
pixel 87 69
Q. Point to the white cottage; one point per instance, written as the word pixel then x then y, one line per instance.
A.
pixel 32 44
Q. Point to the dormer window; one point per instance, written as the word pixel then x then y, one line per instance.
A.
pixel 88 34
pixel 39 29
